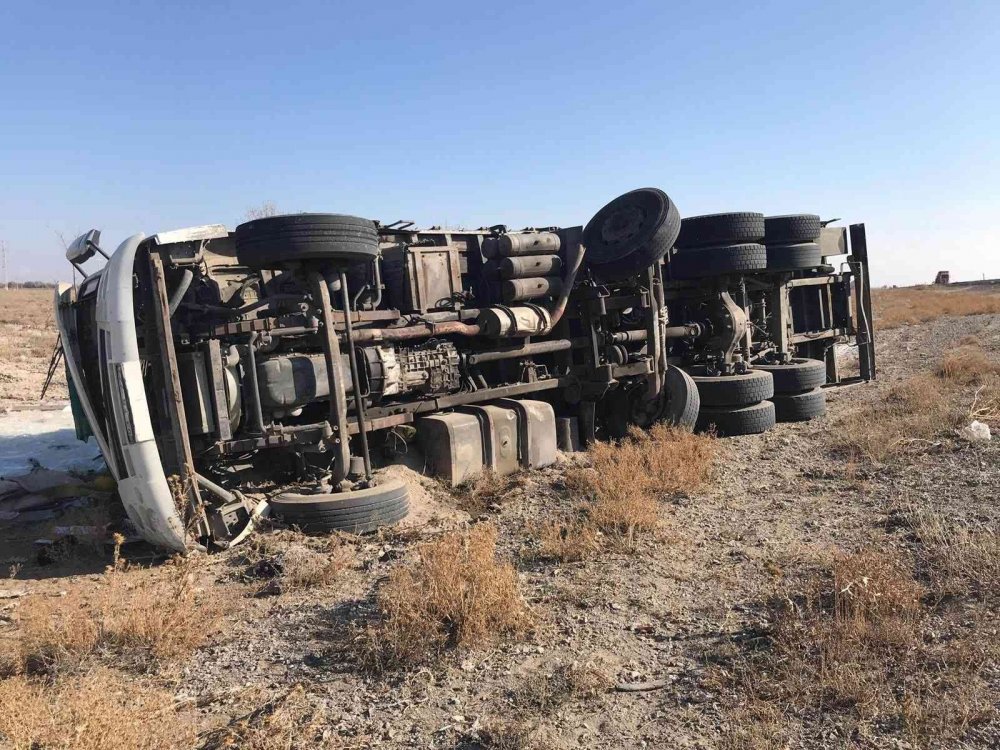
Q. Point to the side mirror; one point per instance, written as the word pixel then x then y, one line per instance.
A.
pixel 83 247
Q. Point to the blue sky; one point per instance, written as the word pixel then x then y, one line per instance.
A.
pixel 146 116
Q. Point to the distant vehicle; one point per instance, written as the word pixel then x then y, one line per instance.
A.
pixel 280 359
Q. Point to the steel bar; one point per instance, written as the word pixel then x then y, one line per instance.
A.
pixel 334 371
pixel 359 401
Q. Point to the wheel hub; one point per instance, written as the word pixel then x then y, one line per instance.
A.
pixel 623 225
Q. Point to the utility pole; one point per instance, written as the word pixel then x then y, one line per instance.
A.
pixel 3 263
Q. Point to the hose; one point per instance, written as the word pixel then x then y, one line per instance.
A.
pixel 556 313
pixel 182 286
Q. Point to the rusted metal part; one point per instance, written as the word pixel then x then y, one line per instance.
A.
pixel 338 397
pixel 539 347
pixel 216 378
pixel 521 290
pixel 865 334
pixel 528 243
pixel 555 315
pixel 423 330
pixel 692 330
pixel 175 398
pixel 254 385
pixel 359 401
pixel 270 324
pixel 530 266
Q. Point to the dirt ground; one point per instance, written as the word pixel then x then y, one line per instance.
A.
pixel 27 339
pixel 671 615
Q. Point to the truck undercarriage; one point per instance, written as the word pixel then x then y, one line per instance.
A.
pixel 282 360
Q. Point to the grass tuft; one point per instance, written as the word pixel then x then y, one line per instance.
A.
pixel 97 710
pixel 289 720
pixel 457 593
pixel 967 365
pixel 627 479
pixel 860 643
pixel 148 621
pixel 571 539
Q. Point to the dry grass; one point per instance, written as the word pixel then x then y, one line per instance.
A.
pixel 906 306
pixel 485 491
pixel 98 710
pixel 909 416
pixel 915 412
pixel 568 540
pixel 27 338
pixel 457 593
pixel 967 365
pixel 573 681
pixel 629 478
pixel 513 734
pixel 146 621
pixel 985 405
pixel 287 721
pixel 956 560
pixel 293 561
pixel 861 643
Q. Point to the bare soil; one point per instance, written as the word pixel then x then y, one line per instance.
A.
pixel 627 647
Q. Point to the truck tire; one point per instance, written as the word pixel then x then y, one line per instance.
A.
pixel 683 399
pixel 795 377
pixel 800 407
pixel 730 421
pixel 631 233
pixel 791 228
pixel 678 405
pixel 732 390
pixel 721 229
pixel 274 241
pixel 793 257
pixel 355 512
pixel 700 263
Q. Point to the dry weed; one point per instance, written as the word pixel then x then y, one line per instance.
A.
pixel 566 682
pixel 858 643
pixel 292 561
pixel 485 491
pixel 514 734
pixel 985 405
pixel 568 540
pixel 911 414
pixel 906 306
pixel 27 339
pixel 148 620
pixel 966 365
pixel 956 560
pixel 456 593
pixel 98 710
pixel 628 478
pixel 757 726
pixel 285 722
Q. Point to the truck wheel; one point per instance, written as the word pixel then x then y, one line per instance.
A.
pixel 800 407
pixel 732 390
pixel 745 420
pixel 678 405
pixel 791 228
pixel 793 257
pixel 356 512
pixel 274 241
pixel 721 229
pixel 631 233
pixel 699 263
pixel 683 399
pixel 796 376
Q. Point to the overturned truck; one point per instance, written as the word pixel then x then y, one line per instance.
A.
pixel 287 359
